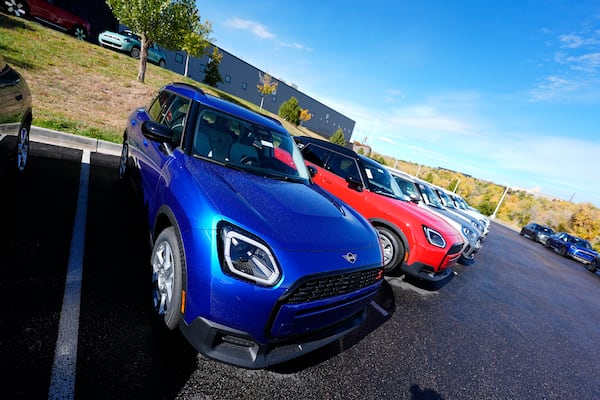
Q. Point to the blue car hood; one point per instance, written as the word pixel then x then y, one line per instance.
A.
pixel 289 215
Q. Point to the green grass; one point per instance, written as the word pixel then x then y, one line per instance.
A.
pixel 82 88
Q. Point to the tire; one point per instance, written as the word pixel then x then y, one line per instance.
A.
pixel 393 249
pixel 135 52
pixel 547 244
pixel 563 251
pixel 123 160
pixel 18 8
pixel 162 63
pixel 593 266
pixel 23 146
pixel 167 265
pixel 79 32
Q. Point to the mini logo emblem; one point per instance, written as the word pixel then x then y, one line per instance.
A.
pixel 351 258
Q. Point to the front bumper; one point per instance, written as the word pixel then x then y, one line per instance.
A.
pixel 239 348
pixel 425 272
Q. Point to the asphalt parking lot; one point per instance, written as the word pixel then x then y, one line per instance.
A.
pixel 521 323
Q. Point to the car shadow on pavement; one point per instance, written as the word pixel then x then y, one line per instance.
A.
pixel 380 309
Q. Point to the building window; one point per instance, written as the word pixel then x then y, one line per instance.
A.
pixel 179 58
pixel 274 98
pixel 227 78
pixel 244 86
pixel 202 68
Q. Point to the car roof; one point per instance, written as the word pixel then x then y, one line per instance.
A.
pixel 328 145
pixel 197 94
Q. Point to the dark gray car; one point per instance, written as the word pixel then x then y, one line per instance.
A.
pixel 15 111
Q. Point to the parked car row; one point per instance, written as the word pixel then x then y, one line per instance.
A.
pixel 425 195
pixel 563 243
pixel 414 240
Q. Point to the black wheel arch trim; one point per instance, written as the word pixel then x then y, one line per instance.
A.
pixel 394 228
pixel 166 218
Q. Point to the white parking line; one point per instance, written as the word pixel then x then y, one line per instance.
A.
pixel 62 381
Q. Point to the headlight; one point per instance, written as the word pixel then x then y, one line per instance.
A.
pixel 248 258
pixel 469 233
pixel 434 237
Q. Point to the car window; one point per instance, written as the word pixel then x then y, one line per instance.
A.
pixel 245 145
pixel 159 106
pixel 175 116
pixel 381 181
pixel 315 154
pixel 431 196
pixel 343 166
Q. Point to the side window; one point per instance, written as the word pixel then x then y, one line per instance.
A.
pixel 316 155
pixel 159 106
pixel 175 116
pixel 343 166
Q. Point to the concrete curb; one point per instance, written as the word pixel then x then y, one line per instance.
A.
pixel 49 136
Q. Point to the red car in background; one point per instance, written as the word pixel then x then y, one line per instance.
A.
pixel 418 242
pixel 59 14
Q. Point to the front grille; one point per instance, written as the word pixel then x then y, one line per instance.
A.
pixel 330 286
pixel 455 249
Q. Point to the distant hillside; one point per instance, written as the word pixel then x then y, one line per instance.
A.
pixel 518 208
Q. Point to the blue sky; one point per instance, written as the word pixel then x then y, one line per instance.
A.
pixel 506 91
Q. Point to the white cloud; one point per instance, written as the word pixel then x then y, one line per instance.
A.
pixel 575 41
pixel 551 88
pixel 428 119
pixel 256 28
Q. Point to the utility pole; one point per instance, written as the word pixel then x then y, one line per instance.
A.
pixel 500 202
pixel 456 187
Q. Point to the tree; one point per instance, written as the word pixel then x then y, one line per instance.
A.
pixel 266 86
pixel 212 76
pixel 196 43
pixel 290 111
pixel 168 22
pixel 304 115
pixel 338 137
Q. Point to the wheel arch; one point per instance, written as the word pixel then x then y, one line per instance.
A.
pixel 396 230
pixel 165 218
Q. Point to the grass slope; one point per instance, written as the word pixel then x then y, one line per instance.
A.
pixel 82 88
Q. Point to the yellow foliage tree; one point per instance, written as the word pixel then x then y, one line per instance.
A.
pixel 266 86
pixel 304 115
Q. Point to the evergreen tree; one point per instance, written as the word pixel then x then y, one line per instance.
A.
pixel 338 137
pixel 212 76
pixel 290 111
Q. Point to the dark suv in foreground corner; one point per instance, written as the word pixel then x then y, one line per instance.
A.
pixel 413 239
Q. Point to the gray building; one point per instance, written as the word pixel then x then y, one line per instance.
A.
pixel 241 79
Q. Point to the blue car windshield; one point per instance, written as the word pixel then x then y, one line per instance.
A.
pixel 248 146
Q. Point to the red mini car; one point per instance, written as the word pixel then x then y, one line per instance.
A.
pixel 59 14
pixel 420 243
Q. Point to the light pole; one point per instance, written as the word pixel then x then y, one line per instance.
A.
pixel 500 202
pixel 456 187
